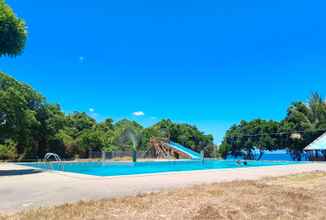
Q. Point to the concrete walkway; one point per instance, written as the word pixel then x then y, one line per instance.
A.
pixel 18 192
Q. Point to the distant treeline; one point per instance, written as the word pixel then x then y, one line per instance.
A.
pixel 304 122
pixel 31 127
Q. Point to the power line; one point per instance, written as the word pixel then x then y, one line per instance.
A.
pixel 279 133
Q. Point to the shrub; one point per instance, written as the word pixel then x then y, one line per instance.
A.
pixel 8 151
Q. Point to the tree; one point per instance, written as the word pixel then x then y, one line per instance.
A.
pixel 27 119
pixel 90 139
pixel 51 121
pixel 30 127
pixel 13 32
pixel 246 138
pixel 302 124
pixel 77 122
pixel 185 134
pixel 120 128
pixel 133 136
pixel 308 121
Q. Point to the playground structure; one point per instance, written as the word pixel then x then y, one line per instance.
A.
pixel 167 149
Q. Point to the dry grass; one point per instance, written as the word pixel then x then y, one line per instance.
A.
pixel 293 197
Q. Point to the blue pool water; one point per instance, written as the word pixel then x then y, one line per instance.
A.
pixel 276 156
pixel 121 168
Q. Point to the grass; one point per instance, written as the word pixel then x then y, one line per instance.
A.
pixel 292 197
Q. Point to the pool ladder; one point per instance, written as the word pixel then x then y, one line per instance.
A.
pixel 56 158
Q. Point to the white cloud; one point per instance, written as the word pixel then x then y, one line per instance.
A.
pixel 139 113
pixel 81 59
pixel 91 110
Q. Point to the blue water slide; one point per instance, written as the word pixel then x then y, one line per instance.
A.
pixel 192 154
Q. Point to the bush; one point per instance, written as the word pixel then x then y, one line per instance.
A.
pixel 8 151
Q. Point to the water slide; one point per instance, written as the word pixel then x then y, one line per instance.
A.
pixel 192 154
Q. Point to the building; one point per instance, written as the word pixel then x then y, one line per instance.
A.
pixel 317 149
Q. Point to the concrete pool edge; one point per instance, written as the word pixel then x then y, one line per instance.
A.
pixel 50 188
pixel 89 176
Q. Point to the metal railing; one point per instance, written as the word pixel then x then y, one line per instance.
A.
pixel 57 159
pixel 118 154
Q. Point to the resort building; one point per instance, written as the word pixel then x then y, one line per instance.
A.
pixel 317 149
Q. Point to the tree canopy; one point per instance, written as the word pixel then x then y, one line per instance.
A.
pixel 185 134
pixel 31 127
pixel 13 31
pixel 303 123
pixel 26 119
pixel 247 137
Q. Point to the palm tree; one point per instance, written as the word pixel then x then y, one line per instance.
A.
pixel 133 136
pixel 310 116
pixel 309 122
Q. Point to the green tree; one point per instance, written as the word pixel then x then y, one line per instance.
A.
pixel 12 31
pixel 246 138
pixel 27 119
pixel 77 122
pixel 185 134
pixel 120 128
pixel 90 139
pixel 303 124
pixel 130 135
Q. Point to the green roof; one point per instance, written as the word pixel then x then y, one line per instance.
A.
pixel 318 144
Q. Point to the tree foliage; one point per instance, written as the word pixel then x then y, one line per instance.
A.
pixel 308 120
pixel 185 134
pixel 303 123
pixel 26 118
pixel 34 127
pixel 247 137
pixel 12 31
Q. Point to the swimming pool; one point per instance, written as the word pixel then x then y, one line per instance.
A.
pixel 125 168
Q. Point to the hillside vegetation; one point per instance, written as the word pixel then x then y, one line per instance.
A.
pixel 30 127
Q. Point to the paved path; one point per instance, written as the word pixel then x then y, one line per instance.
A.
pixel 19 192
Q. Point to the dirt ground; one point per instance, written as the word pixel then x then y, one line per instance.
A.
pixel 301 196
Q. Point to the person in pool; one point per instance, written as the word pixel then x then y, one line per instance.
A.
pixel 245 163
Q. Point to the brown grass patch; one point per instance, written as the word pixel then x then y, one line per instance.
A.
pixel 293 197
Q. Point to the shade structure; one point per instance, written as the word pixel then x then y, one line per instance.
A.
pixel 318 144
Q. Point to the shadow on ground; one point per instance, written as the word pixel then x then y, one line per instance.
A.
pixel 18 172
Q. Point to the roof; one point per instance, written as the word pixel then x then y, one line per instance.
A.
pixel 318 144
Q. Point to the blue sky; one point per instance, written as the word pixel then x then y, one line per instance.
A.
pixel 204 62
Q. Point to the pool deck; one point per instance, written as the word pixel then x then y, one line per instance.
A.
pixel 30 189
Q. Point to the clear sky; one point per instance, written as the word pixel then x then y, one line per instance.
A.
pixel 205 62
